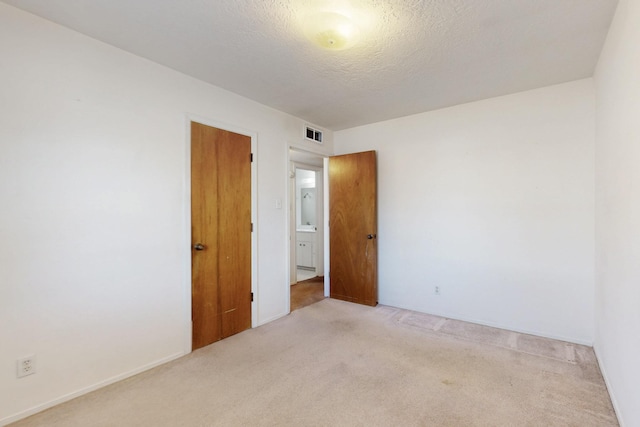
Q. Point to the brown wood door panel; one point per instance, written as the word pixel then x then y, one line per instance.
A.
pixel 353 227
pixel 221 221
pixel 234 241
pixel 204 230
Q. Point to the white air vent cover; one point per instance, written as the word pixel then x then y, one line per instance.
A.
pixel 312 134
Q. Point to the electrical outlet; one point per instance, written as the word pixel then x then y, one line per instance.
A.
pixel 26 366
pixel 436 290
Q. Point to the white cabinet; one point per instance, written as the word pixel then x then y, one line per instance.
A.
pixel 304 254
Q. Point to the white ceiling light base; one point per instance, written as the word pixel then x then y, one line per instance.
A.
pixel 331 30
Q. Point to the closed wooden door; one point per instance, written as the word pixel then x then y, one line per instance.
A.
pixel 221 233
pixel 353 228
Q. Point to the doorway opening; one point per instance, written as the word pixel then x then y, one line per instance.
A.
pixel 307 228
pixel 351 208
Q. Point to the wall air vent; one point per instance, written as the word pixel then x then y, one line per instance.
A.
pixel 312 134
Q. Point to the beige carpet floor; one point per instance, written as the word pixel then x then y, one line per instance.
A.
pixel 339 364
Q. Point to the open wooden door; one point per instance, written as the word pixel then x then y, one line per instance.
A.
pixel 221 233
pixel 353 253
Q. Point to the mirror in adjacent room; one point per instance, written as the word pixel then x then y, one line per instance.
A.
pixel 308 206
pixel 305 199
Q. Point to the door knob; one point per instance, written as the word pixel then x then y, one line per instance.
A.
pixel 198 247
pixel 371 236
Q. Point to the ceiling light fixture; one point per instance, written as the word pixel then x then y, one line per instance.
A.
pixel 331 30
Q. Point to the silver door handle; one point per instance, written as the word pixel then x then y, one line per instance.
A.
pixel 198 247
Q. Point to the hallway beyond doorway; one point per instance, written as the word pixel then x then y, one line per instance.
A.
pixel 307 292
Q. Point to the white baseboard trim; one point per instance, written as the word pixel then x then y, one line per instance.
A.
pixel 573 340
pixel 614 402
pixel 271 319
pixel 65 398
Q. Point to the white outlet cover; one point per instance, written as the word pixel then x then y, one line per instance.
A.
pixel 26 366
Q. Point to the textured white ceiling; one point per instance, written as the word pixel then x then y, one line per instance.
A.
pixel 413 56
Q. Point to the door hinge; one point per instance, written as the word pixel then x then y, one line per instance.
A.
pixel 251 157
pixel 252 227
pixel 251 296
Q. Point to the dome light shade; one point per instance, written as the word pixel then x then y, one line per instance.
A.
pixel 331 30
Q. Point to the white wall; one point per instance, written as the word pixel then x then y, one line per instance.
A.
pixel 94 236
pixel 617 80
pixel 491 201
